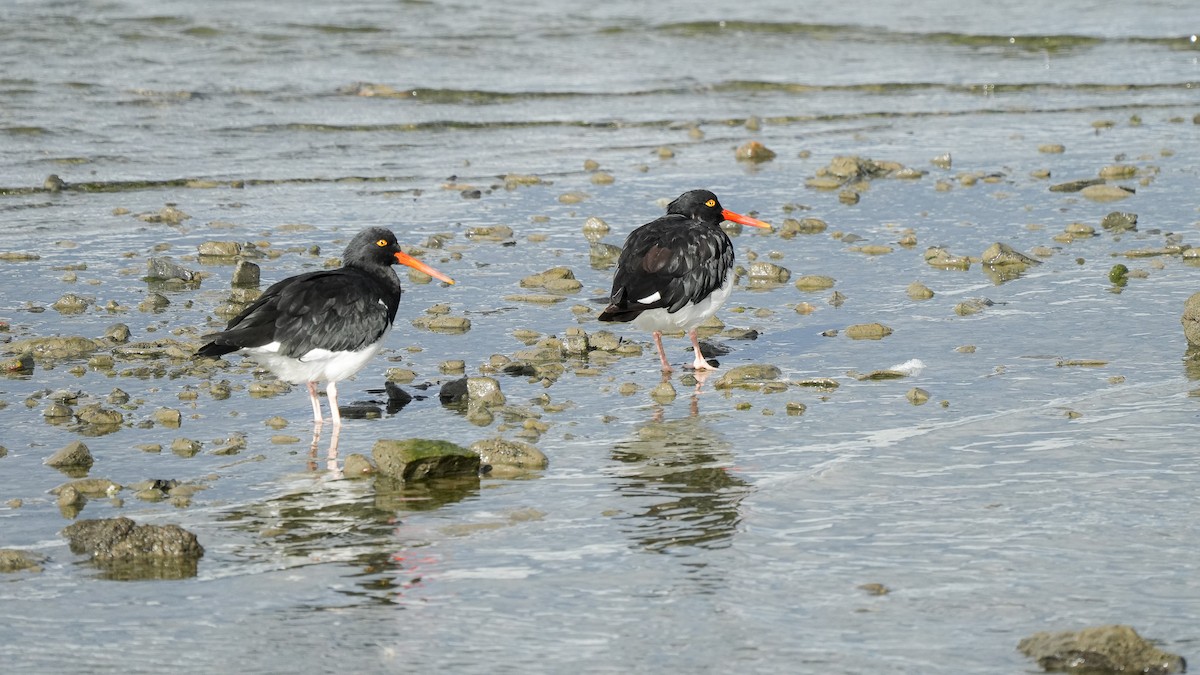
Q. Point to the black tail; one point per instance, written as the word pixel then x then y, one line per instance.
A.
pixel 215 350
pixel 621 314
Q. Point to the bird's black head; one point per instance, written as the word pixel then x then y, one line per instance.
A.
pixel 701 205
pixel 377 247
pixel 373 247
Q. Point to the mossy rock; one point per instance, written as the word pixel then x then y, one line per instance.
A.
pixel 417 459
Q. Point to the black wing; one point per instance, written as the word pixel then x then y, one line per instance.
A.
pixel 680 259
pixel 341 309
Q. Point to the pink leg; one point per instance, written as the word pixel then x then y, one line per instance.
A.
pixel 331 392
pixel 699 363
pixel 662 355
pixel 316 402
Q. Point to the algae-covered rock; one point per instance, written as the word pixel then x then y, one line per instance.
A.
pixel 509 458
pixel 133 551
pixel 1100 650
pixel 417 459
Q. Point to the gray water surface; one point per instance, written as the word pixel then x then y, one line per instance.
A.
pixel 711 533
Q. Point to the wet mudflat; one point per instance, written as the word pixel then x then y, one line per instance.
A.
pixel 945 445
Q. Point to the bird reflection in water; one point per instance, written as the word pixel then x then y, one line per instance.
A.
pixel 677 473
pixel 332 466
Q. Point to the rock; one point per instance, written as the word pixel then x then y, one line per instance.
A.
pixel 595 228
pixel 1076 185
pixel 485 390
pixel 919 291
pixel 1191 319
pixel 753 151
pixel 508 458
pixel 1001 255
pixel 748 377
pixel 136 551
pixel 1052 148
pixel 937 256
pixel 17 365
pixel 1118 171
pixel 246 274
pixel 16 560
pixel 219 249
pixel 814 282
pixel 89 487
pixel 1106 193
pixel 1099 650
pixel 357 466
pixel 162 269
pixel 1119 274
pixel 792 227
pixel 168 417
pixel 75 455
pixel 185 447
pixel 867 331
pixel 99 416
pixel 70 502
pixel 472 390
pixel 167 214
pixel 70 303
pixel 769 272
pixel 1119 221
pixel 664 392
pixel 917 396
pixel 416 459
pixel 53 348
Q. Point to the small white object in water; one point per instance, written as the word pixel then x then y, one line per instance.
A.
pixel 909 367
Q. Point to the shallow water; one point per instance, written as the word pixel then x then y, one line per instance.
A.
pixel 690 535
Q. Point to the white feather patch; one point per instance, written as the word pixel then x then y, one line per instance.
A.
pixel 650 298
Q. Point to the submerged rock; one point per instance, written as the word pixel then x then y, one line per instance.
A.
pixel 1100 650
pixel 16 560
pixel 133 551
pixel 417 459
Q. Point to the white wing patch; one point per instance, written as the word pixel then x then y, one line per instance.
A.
pixel 655 297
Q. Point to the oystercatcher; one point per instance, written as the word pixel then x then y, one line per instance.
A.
pixel 326 325
pixel 674 272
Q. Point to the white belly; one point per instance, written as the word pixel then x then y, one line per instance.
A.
pixel 318 365
pixel 689 316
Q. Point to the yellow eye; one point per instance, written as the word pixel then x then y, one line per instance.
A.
pixel 381 243
pixel 710 203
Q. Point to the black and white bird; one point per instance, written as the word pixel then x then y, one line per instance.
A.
pixel 324 326
pixel 676 271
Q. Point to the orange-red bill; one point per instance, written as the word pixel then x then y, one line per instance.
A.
pixel 406 259
pixel 744 220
